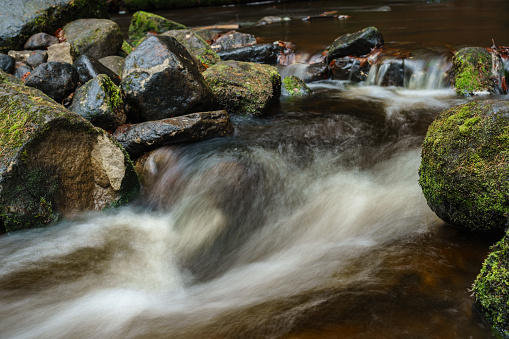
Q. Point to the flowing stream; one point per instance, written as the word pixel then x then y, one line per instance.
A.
pixel 307 223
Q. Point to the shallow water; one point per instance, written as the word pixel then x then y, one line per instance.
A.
pixel 308 223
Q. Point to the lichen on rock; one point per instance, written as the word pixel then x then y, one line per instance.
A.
pixel 473 71
pixel 144 22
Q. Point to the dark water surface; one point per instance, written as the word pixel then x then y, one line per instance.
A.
pixel 308 223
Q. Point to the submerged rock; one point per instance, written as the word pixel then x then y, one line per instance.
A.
pixel 161 80
pixel 53 163
pixel 88 67
pixel 473 71
pixel 144 137
pixel 244 88
pixel 355 44
pixel 97 38
pixel 100 102
pixel 55 79
pixel 196 46
pixel 144 22
pixel 294 86
pixel 491 290
pixel 464 173
pixel 21 19
pixel 260 53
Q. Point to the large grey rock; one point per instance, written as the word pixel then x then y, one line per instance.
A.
pixel 55 79
pixel 19 19
pixel 146 136
pixel 95 37
pixel 161 80
pixel 100 102
pixel 55 164
pixel 355 44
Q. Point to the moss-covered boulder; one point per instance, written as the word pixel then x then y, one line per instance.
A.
pixel 100 102
pixel 294 86
pixel 355 44
pixel 244 88
pixel 195 45
pixel 144 22
pixel 54 163
pixel 22 18
pixel 464 172
pixel 97 38
pixel 473 71
pixel 491 288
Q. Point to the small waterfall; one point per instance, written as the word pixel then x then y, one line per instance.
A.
pixel 411 73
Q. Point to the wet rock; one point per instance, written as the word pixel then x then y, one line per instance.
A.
pixel 294 86
pixel 349 68
pixel 392 73
pixel 244 88
pixel 196 46
pixel 472 69
pixel 38 57
pixel 114 63
pixel 233 40
pixel 41 41
pixel 55 163
pixel 97 38
pixel 205 34
pixel 260 53
pixel 141 138
pixel 161 79
pixel 88 67
pixel 6 63
pixel 60 53
pixel 464 173
pixel 100 102
pixel 490 290
pixel 20 56
pixel 143 23
pixel 55 79
pixel 355 44
pixel 22 71
pixel 271 20
pixel 8 78
pixel 22 18
pixel 315 72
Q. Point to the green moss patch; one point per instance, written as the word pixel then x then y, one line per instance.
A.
pixel 464 172
pixel 144 22
pixel 472 70
pixel 294 86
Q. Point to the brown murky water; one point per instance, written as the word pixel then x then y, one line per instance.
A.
pixel 308 223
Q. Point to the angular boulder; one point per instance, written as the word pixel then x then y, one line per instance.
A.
pixel 233 40
pixel 146 136
pixel 60 53
pixel 114 63
pixel 161 80
pixel 244 88
pixel 89 67
pixel 260 53
pixel 56 79
pixel 294 86
pixel 355 44
pixel 97 38
pixel 144 22
pixel 464 173
pixel 195 45
pixel 491 290
pixel 472 69
pixel 21 19
pixel 54 163
pixel 40 41
pixel 100 102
